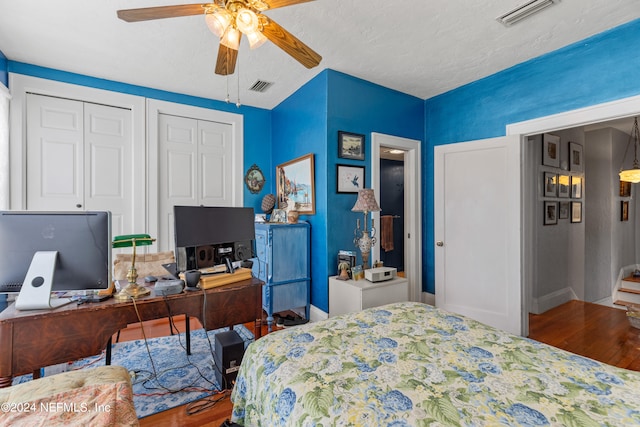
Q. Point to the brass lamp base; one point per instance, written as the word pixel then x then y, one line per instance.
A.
pixel 131 291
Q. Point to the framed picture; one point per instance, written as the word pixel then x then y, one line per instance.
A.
pixel 576 160
pixel 278 215
pixel 254 179
pixel 550 184
pixel 625 189
pixel 295 184
pixel 350 145
pixel 350 179
pixel 551 150
pixel 576 187
pixel 563 213
pixel 564 186
pixel 624 210
pixel 550 213
pixel 576 211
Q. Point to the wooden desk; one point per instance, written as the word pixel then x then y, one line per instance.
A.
pixel 33 339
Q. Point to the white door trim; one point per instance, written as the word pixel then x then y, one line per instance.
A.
pixel 21 85
pixel 154 109
pixel 412 208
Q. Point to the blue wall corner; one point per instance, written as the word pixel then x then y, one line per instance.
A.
pixel 4 73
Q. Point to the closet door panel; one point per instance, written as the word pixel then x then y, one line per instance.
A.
pixel 54 153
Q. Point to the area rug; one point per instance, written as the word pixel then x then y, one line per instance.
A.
pixel 168 378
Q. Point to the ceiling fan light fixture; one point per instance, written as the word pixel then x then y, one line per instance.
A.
pixel 256 39
pixel 231 38
pixel 218 21
pixel 247 21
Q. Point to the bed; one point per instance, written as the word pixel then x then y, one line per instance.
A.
pixel 411 364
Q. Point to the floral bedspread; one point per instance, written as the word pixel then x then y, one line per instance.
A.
pixel 410 364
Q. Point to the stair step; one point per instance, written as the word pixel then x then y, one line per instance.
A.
pixel 629 291
pixel 630 284
pixel 623 303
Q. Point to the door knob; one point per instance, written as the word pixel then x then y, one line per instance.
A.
pixel 78 206
pixel 440 243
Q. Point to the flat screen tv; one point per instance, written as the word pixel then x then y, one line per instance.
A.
pixel 41 252
pixel 207 235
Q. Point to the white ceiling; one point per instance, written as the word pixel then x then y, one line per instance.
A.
pixel 418 47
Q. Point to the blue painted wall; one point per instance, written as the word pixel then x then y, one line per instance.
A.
pixel 257 121
pixel 595 70
pixel 308 122
pixel 4 74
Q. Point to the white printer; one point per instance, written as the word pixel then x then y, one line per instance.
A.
pixel 380 274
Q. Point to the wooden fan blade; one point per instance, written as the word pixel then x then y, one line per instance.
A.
pixel 160 12
pixel 226 63
pixel 290 44
pixel 274 4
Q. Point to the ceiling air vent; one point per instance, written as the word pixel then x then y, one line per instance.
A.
pixel 523 11
pixel 260 86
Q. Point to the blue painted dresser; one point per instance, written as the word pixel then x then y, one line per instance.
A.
pixel 284 265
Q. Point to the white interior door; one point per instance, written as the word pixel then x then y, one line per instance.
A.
pixel 79 157
pixel 195 164
pixel 478 230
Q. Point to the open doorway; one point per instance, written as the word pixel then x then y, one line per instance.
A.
pixel 392 208
pixel 407 230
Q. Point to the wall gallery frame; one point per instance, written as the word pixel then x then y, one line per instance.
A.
pixel 350 145
pixel 624 210
pixel 564 186
pixel 576 161
pixel 550 213
pixel 576 211
pixel 349 179
pixel 550 184
pixel 625 189
pixel 295 184
pixel 576 187
pixel 551 150
pixel 563 213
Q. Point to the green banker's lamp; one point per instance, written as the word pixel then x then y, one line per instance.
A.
pixel 132 290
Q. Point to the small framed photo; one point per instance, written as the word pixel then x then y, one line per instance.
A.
pixel 550 213
pixel 624 210
pixel 279 215
pixel 563 213
pixel 576 211
pixel 350 179
pixel 551 150
pixel 350 145
pixel 576 187
pixel 625 189
pixel 550 184
pixel 576 161
pixel 564 186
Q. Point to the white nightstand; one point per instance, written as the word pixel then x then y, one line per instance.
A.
pixel 348 296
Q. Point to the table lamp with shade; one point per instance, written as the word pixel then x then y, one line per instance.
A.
pixel 132 290
pixel 364 239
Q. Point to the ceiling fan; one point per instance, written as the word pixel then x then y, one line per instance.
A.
pixel 229 19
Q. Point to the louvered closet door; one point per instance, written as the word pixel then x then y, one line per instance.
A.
pixel 194 168
pixel 79 157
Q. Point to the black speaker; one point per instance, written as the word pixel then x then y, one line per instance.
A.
pixel 228 353
pixel 242 250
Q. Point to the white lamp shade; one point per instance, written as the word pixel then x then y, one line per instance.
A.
pixel 256 39
pixel 246 21
pixel 231 38
pixel 218 21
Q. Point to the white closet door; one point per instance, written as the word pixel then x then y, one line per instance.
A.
pixel 215 161
pixel 108 164
pixel 55 151
pixel 195 164
pixel 79 158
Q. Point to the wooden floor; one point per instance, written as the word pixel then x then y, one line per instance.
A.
pixel 591 330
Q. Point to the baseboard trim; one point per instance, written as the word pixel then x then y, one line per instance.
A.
pixel 429 298
pixel 316 314
pixel 554 299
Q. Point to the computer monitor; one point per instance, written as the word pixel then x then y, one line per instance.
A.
pixel 41 252
pixel 206 235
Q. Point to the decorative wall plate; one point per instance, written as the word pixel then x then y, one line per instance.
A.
pixel 254 179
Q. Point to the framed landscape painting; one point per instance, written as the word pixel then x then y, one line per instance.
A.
pixel 295 185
